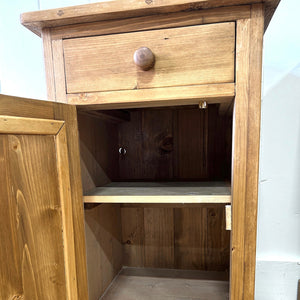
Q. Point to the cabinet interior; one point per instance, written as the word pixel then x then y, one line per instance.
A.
pixel 183 150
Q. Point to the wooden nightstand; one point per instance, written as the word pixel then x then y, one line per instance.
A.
pixel 166 98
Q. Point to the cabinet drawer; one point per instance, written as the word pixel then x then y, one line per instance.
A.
pixel 183 56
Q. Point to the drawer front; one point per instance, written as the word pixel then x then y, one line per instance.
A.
pixel 183 56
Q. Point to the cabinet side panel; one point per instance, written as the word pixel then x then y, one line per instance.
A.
pixel 98 151
pixel 104 248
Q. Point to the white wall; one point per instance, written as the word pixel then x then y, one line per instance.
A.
pixel 21 53
pixel 278 233
pixel 278 252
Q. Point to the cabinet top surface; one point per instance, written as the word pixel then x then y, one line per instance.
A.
pixel 37 20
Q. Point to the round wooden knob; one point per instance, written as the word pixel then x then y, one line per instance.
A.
pixel 144 58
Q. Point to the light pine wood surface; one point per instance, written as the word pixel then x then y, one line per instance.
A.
pixel 28 108
pixel 160 192
pixel 254 115
pixel 48 62
pixel 63 173
pixel 68 114
pixel 167 96
pixel 20 125
pixel 51 217
pixel 159 21
pixel 246 154
pixel 183 56
pixel 35 21
pixel 32 163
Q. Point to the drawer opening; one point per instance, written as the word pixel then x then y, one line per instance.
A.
pixel 155 210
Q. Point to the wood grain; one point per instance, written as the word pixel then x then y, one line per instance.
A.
pixel 59 71
pixel 167 192
pixel 10 257
pixel 191 153
pixel 29 108
pixel 35 21
pixel 170 96
pixel 172 143
pixel 183 56
pixel 48 61
pixel 190 230
pixel 34 219
pixel 14 106
pixel 20 162
pixel 21 125
pixel 170 20
pixel 218 239
pixel 200 241
pixel 104 248
pixel 159 237
pixel 254 112
pixel 148 140
pixel 133 236
pixel 240 159
pixel 69 115
pixel 246 154
pixel 67 215
pixel 219 144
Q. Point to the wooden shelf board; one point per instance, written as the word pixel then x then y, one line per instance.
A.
pixel 138 283
pixel 161 192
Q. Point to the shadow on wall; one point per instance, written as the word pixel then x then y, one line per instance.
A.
pixel 278 240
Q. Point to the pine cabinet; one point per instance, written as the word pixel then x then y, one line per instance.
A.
pixel 142 182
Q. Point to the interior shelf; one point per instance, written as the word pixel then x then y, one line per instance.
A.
pixel 138 283
pixel 161 192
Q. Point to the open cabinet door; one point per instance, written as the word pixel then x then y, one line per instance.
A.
pixel 42 253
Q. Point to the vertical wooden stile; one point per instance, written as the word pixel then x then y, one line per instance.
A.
pixel 48 58
pixel 69 115
pixel 246 153
pixel 254 114
pixel 239 154
pixel 59 71
pixel 67 215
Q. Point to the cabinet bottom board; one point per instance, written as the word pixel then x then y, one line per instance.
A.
pixel 159 284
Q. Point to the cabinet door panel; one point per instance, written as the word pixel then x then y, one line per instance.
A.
pixel 37 255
